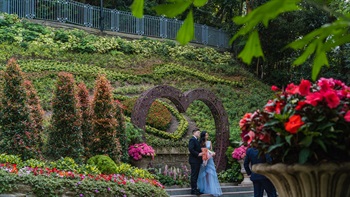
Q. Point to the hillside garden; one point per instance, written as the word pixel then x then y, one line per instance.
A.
pixel 76 87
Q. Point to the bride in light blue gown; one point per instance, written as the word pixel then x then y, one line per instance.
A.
pixel 208 182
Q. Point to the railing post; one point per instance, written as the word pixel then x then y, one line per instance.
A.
pixel 88 15
pixel 62 11
pixel 163 25
pixel 140 26
pixel 5 6
pixel 29 9
pixel 115 20
pixel 101 16
pixel 204 34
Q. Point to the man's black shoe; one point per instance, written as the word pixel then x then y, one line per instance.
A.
pixel 196 192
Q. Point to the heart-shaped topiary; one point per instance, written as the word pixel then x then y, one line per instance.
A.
pixel 182 102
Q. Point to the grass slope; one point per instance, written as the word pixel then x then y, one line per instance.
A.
pixel 132 67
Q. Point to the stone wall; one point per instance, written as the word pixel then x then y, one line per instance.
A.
pixel 172 157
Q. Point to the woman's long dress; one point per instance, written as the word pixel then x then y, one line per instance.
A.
pixel 208 182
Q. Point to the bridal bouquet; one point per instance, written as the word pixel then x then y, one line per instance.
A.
pixel 305 123
pixel 207 154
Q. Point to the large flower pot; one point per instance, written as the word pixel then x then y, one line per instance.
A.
pixel 142 163
pixel 246 180
pixel 324 180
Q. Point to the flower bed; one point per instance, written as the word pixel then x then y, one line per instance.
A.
pixel 54 182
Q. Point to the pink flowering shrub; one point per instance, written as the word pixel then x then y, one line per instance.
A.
pixel 239 153
pixel 136 151
pixel 305 123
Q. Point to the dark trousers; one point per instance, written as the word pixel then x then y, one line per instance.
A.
pixel 195 167
pixel 264 184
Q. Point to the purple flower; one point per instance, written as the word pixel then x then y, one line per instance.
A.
pixel 81 195
pixel 96 191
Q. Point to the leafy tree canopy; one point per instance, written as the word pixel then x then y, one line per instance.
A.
pixel 314 45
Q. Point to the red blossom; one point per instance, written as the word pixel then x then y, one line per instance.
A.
pixel 314 98
pixel 300 105
pixel 244 120
pixel 332 99
pixel 274 88
pixel 270 106
pixel 293 124
pixel 304 87
pixel 292 89
pixel 325 84
pixel 279 106
pixel 347 116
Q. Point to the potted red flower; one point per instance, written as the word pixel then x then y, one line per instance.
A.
pixel 307 124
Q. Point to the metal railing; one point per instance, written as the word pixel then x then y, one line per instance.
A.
pixel 67 11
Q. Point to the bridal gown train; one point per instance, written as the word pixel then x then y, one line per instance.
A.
pixel 208 182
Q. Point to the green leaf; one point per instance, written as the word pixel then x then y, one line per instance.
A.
pixel 271 123
pixel 252 48
pixel 173 9
pixel 306 141
pixel 137 8
pixel 307 53
pixel 289 138
pixel 319 61
pixel 285 154
pixel 321 143
pixel 186 31
pixel 304 155
pixel 199 3
pixel 271 148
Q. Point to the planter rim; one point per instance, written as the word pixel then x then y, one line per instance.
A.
pixel 292 168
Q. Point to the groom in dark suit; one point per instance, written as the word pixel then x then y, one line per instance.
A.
pixel 195 160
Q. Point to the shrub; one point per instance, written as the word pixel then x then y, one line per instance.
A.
pixel 16 134
pixel 11 159
pixel 66 163
pixel 121 131
pixel 33 163
pixel 231 175
pixel 134 134
pixel 104 122
pixel 36 113
pixel 65 138
pixel 104 163
pixel 158 115
pixel 86 127
pixel 130 171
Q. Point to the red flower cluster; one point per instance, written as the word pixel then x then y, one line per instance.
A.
pixel 120 179
pixel 303 121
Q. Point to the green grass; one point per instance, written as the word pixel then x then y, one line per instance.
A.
pixel 133 67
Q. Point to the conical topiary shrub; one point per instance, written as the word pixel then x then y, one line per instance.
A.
pixel 121 132
pixel 36 112
pixel 65 137
pixel 16 134
pixel 86 128
pixel 104 122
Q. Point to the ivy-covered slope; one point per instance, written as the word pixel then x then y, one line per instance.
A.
pixel 131 66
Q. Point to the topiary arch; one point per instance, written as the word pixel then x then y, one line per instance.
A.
pixel 182 102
